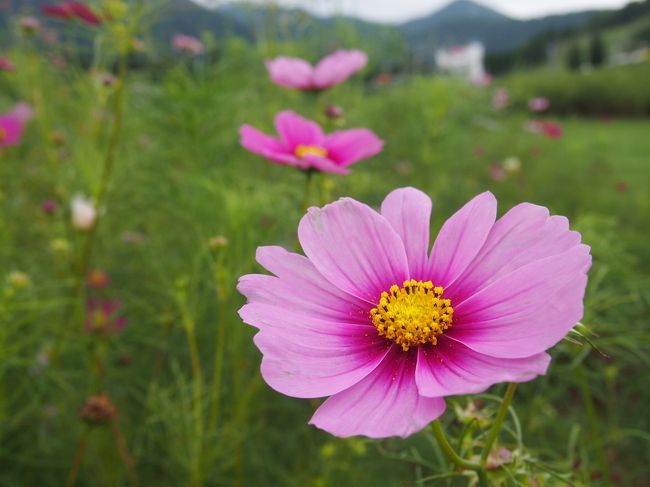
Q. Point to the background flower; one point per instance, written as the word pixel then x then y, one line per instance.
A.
pixel 330 71
pixel 303 144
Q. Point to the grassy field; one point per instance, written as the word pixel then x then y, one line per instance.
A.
pixel 184 373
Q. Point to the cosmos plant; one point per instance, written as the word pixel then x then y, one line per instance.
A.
pixel 386 328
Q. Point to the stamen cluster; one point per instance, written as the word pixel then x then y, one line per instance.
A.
pixel 412 315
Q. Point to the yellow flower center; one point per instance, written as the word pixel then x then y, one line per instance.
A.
pixel 3 134
pixel 413 314
pixel 309 150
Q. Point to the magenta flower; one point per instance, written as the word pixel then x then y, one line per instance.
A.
pixel 188 44
pixel 6 64
pixel 71 10
pixel 387 329
pixel 11 129
pixel 330 71
pixel 539 104
pixel 303 144
pixel 103 316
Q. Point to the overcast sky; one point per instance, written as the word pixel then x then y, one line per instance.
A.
pixel 401 10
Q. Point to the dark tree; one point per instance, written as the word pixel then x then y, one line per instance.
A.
pixel 574 59
pixel 597 51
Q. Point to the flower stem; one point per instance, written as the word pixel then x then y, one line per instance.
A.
pixel 215 397
pixel 448 450
pixel 498 421
pixel 309 176
pixel 78 457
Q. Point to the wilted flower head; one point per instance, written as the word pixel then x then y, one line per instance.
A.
pixel 539 104
pixel 303 144
pixel 334 112
pixel 386 328
pixel 29 25
pixel 6 64
pixel 71 10
pixel 98 410
pixel 103 316
pixel 188 44
pixel 330 71
pixel 19 279
pixel 97 279
pixel 500 99
pixel 218 242
pixel 83 213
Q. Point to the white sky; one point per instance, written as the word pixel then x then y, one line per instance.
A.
pixel 394 11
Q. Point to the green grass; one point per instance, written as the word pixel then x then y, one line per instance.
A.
pixel 181 177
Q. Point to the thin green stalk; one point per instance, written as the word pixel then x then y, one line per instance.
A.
pixel 215 396
pixel 449 451
pixel 498 421
pixel 197 392
pixel 78 457
pixel 309 177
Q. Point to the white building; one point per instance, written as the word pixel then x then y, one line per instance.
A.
pixel 465 61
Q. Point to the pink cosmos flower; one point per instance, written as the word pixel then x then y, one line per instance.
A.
pixel 539 104
pixel 303 144
pixel 23 111
pixel 188 44
pixel 11 129
pixel 550 129
pixel 72 10
pixel 330 71
pixel 103 316
pixel 29 25
pixel 386 328
pixel 500 99
pixel 6 64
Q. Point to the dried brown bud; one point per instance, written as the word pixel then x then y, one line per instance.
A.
pixel 98 410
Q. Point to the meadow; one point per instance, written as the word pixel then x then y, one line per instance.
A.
pixel 183 209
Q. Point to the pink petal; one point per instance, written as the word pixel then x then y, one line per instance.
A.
pixel 337 67
pixel 408 210
pixel 461 238
pixel 528 310
pixel 450 368
pixel 385 403
pixel 354 248
pixel 305 356
pixel 323 164
pixel 265 146
pixel 295 130
pixel 349 146
pixel 290 72
pixel 523 235
pixel 300 287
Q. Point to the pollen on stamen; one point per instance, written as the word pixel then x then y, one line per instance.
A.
pixel 412 315
pixel 303 151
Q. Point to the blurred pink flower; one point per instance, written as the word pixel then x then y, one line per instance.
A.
pixel 385 328
pixel 103 316
pixel 6 64
pixel 11 129
pixel 49 206
pixel 485 80
pixel 23 111
pixel 496 172
pixel 539 104
pixel 500 99
pixel 334 112
pixel 553 130
pixel 383 79
pixel 188 44
pixel 29 25
pixel 72 10
pixel 330 71
pixel 303 144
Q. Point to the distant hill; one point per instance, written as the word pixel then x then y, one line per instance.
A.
pixel 462 21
